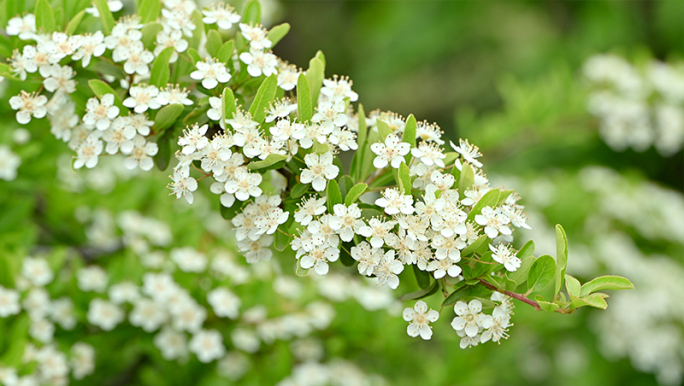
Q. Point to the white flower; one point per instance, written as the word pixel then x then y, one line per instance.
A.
pixel 172 344
pixel 443 267
pixel 188 259
pixel 494 222
pixel 9 163
pixel 147 314
pixel 224 303
pixel 259 62
pixel 142 98
pixel 9 302
pixel 104 314
pixel 193 139
pixel 60 79
pixel 216 110
pixel 100 113
pixel 256 35
pixel 92 278
pixel 337 89
pixel 391 152
pixel 183 185
pixel 222 15
pixel 346 221
pixel 41 330
pixel 37 271
pixel 319 257
pixel 174 94
pixel 62 312
pixel 37 303
pixel 88 152
pixel 330 115
pixel 420 318
pixel 387 270
pixel 139 123
pixel 503 254
pixel 367 257
pixel 207 345
pixel 159 286
pixel 171 38
pixel 211 73
pixel 119 132
pixel 429 154
pixel 470 317
pixel 468 152
pixel 244 184
pixel 82 360
pixel 319 170
pixel 447 247
pixel 344 139
pixel 500 322
pixel 28 105
pixel 258 249
pixel 395 202
pixel 378 231
pixel 24 27
pixel 288 75
pixel 124 292
pixel 309 208
pixel 280 109
pixel 140 153
pixel 91 45
pixel 188 316
pixel 429 133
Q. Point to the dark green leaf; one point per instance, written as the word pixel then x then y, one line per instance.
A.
pixel 163 156
pixel 457 295
pixel 345 183
pixel 299 190
pixel 489 199
pixel 263 98
pixel 304 106
pixel 423 278
pixel 355 193
pixel 229 213
pixel 420 294
pixel 167 116
pixel 541 273
pixel 333 194
pixel 270 160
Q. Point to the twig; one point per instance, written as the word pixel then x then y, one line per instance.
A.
pixel 512 294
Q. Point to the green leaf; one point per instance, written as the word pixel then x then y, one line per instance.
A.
pixel 270 160
pixel 101 88
pixel 333 194
pixel 355 193
pixel 45 16
pixel 503 196
pixel 105 15
pixel 229 213
pixel 457 295
pixel 277 33
pixel 449 158
pixel 602 283
pixel 596 300
pixel 404 180
pixel 345 258
pixel 194 55
pixel 304 106
pixel 542 273
pixel 315 75
pixel 301 271
pixel 214 43
pixel 489 199
pixel 470 249
pixel 299 190
pixel 573 286
pixel 561 258
pixel 73 24
pixel 410 135
pixel 383 129
pixel 526 255
pixel 14 8
pixel 194 42
pixel 263 98
pixel 481 268
pixel 546 306
pixel 18 335
pixel 282 241
pixel 356 166
pixel 149 34
pixel 163 156
pixel 467 179
pixel 149 10
pixel 159 76
pixel 420 294
pixel 167 116
pixel 422 277
pixel 252 13
pixel 229 107
pixel 225 54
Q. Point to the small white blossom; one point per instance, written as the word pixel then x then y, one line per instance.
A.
pixel 100 113
pixel 256 35
pixel 395 202
pixel 224 303
pixel 92 278
pixel 387 270
pixel 468 152
pixel 183 185
pixel 319 170
pixel 207 345
pixel 503 254
pixel 419 318
pixel 211 73
pixel 470 317
pixel 104 314
pixel 259 62
pixel 142 98
pixel 9 302
pixel 391 152
pixel 244 184
pixel 221 14
pixel 28 105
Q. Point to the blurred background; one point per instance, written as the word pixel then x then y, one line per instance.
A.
pixel 511 76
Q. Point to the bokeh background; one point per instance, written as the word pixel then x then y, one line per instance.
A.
pixel 507 75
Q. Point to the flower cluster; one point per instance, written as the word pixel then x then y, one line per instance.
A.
pixel 638 109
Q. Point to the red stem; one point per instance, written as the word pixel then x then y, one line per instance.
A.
pixel 514 295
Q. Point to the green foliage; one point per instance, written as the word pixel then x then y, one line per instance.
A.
pixel 304 104
pixel 561 258
pixel 268 163
pixel 105 15
pixel 490 199
pixel 74 23
pixel 606 283
pixel 45 16
pixel 149 10
pixel 541 273
pixel 263 98
pixel 315 75
pixel 214 43
pixel 334 196
pixel 252 13
pixel 159 75
pixel 467 178
pixel 225 54
pixel 101 88
pixel 167 116
pixel 278 32
pixel 355 193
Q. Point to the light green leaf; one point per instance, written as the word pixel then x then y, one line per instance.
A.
pixel 603 283
pixel 194 55
pixel 467 179
pixel 596 300
pixel 526 256
pixel 489 199
pixel 101 88
pixel 263 98
pixel 304 105
pixel 470 249
pixel 14 8
pixel 167 116
pixel 541 273
pixel 410 135
pixel 270 160
pixel 159 75
pixel 383 129
pixel 450 158
pixel 73 24
pixel 197 32
pixel 45 16
pixel 105 15
pixel 225 54
pixel 149 34
pixel 149 10
pixel 252 13
pixel 334 195
pixel 355 193
pixel 277 33
pixel 229 107
pixel 503 196
pixel 561 258
pixel 345 183
pixel 546 306
pixel 214 43
pixel 573 286
pixel 315 75
pixel 404 180
pixel 299 190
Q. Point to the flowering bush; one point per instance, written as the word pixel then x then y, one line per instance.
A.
pixel 271 139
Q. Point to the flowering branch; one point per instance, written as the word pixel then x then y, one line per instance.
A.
pixel 514 295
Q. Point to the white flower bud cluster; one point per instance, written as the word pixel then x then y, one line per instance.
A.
pixel 638 108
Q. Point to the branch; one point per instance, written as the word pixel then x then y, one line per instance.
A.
pixel 514 295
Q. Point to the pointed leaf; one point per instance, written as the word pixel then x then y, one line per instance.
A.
pixel 166 116
pixel 467 179
pixel 229 107
pixel 159 76
pixel 299 190
pixel 105 15
pixel 410 134
pixel 546 306
pixel 541 273
pixel 304 105
pixel 561 258
pixel 73 24
pixel 149 10
pixel 470 249
pixel 383 129
pixel 405 179
pixel 461 292
pixel 420 294
pixel 573 286
pixel 596 300
pixel 225 54
pixel 333 194
pixel 355 193
pixel 149 35
pixel 526 255
pixel 263 98
pixel 489 199
pixel 277 33
pixel 270 160
pixel 603 283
